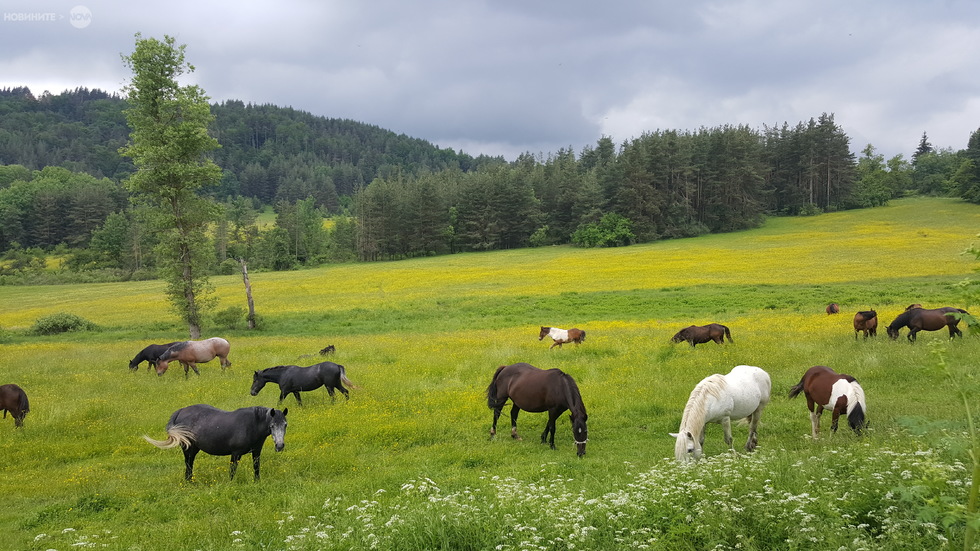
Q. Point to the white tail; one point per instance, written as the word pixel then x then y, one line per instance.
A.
pixel 176 436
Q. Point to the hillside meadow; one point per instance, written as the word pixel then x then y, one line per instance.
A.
pixel 407 462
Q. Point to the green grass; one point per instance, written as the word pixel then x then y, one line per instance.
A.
pixel 407 462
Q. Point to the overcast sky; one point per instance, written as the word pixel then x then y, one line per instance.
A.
pixel 502 77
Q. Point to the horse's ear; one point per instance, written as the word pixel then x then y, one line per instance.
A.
pixel 285 411
pixel 673 434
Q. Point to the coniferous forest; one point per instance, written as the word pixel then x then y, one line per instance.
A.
pixel 389 196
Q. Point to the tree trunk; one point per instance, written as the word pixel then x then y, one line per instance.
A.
pixel 248 294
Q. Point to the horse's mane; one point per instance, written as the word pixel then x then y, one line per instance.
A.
pixel 867 314
pixel 572 394
pixel 696 408
pixel 276 367
pixel 903 319
pixel 177 347
pixel 855 397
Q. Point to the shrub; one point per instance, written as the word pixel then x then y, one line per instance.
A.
pixel 61 322
pixel 613 230
pixel 230 318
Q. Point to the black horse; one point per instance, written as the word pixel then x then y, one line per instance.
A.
pixel 150 355
pixel 293 379
pixel 217 432
pixel 704 333
pixel 536 390
pixel 14 399
pixel 926 319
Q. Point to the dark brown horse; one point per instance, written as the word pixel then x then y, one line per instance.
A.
pixel 926 319
pixel 867 321
pixel 826 389
pixel 562 336
pixel 701 334
pixel 14 399
pixel 537 390
pixel 833 308
pixel 191 353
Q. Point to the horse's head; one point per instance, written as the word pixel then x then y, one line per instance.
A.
pixel 277 425
pixel 134 365
pixel 681 335
pixel 544 332
pixel 687 448
pixel 161 366
pixel 892 332
pixel 258 382
pixel 581 432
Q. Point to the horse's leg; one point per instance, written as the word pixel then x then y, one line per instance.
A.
pixel 344 392
pixel 333 398
pixel 833 422
pixel 550 428
pixel 194 367
pixel 726 424
pixel 815 420
pixel 255 462
pixel 911 335
pixel 493 427
pixel 513 422
pixel 298 399
pixel 234 464
pixel 189 454
pixel 282 395
pixel 954 331
pixel 753 440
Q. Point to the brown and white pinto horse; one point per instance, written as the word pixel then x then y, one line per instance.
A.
pixel 926 319
pixel 191 353
pixel 867 321
pixel 562 336
pixel 826 389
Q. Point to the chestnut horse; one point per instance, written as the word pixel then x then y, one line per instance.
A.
pixel 925 319
pixel 704 333
pixel 191 353
pixel 826 389
pixel 537 390
pixel 867 321
pixel 832 308
pixel 562 336
pixel 14 399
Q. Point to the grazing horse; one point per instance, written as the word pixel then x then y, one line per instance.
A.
pixel 218 432
pixel 14 399
pixel 537 390
pixel 743 392
pixel 562 336
pixel 867 321
pixel 704 333
pixel 923 319
pixel 911 306
pixel 293 379
pixel 826 389
pixel 329 349
pixel 150 354
pixel 191 353
pixel 833 308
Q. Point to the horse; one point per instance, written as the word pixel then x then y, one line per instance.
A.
pixel 14 399
pixel 149 355
pixel 329 349
pixel 293 379
pixel 562 336
pixel 537 390
pixel 217 432
pixel 191 353
pixel 924 319
pixel 911 306
pixel 833 308
pixel 702 334
pixel 743 392
pixel 826 389
pixel 867 321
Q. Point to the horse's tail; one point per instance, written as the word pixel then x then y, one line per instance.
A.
pixel 492 389
pixel 728 333
pixel 796 389
pixel 344 379
pixel 177 435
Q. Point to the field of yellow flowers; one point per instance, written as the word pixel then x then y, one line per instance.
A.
pixel 407 462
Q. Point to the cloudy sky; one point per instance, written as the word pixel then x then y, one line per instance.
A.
pixel 502 77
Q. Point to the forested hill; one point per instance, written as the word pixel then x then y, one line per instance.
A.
pixel 263 147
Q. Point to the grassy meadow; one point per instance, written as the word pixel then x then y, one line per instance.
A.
pixel 407 462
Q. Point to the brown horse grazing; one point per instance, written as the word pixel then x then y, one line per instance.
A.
pixel 925 319
pixel 832 308
pixel 14 399
pixel 562 336
pixel 704 333
pixel 537 390
pixel 826 389
pixel 911 306
pixel 867 321
pixel 191 353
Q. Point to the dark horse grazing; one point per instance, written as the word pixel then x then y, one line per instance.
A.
pixel 329 349
pixel 924 319
pixel 150 354
pixel 537 390
pixel 218 432
pixel 704 333
pixel 867 321
pixel 293 379
pixel 826 389
pixel 14 399
pixel 562 336
pixel 190 353
pixel 833 308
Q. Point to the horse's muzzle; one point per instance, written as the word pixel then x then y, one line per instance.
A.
pixel 279 447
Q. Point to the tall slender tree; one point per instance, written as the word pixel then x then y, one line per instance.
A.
pixel 169 143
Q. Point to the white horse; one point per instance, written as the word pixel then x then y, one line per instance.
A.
pixel 744 392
